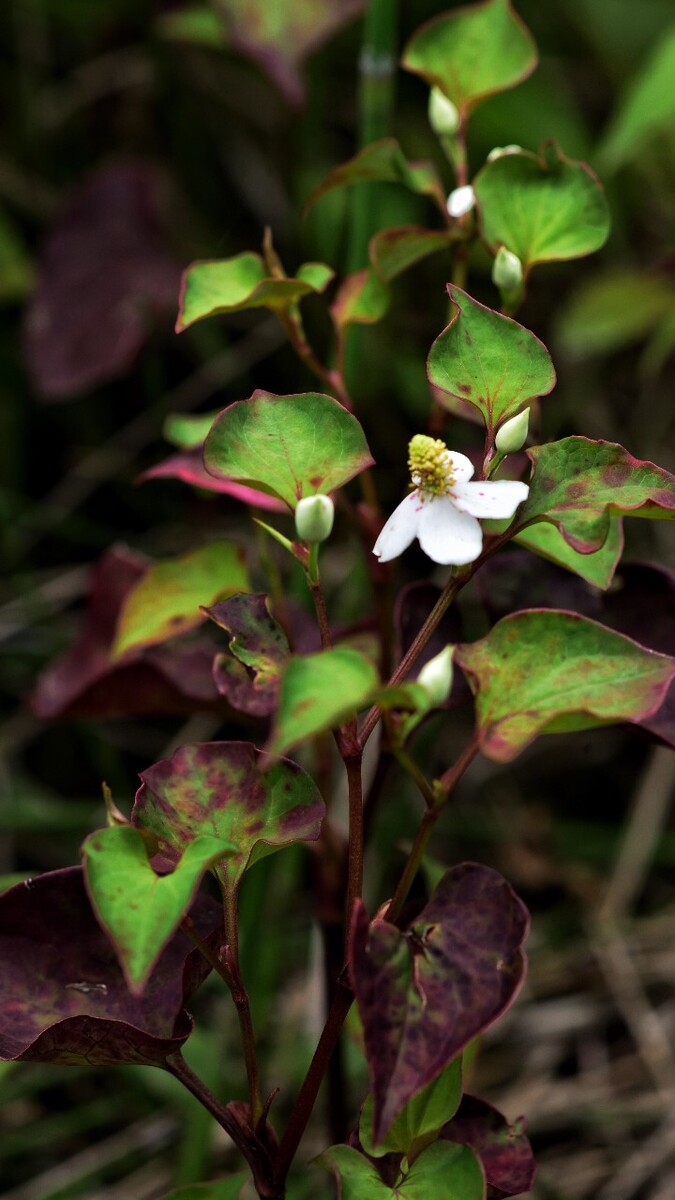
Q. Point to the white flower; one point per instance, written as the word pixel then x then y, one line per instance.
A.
pixel 442 510
pixel 461 201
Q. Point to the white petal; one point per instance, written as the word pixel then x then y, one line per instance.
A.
pixel 448 535
pixel 400 530
pixel 484 499
pixel 460 465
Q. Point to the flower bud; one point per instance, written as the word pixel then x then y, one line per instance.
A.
pixel 436 677
pixel 512 435
pixel 314 518
pixel 500 151
pixel 443 116
pixel 507 270
pixel 461 201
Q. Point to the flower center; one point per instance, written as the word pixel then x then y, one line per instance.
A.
pixel 430 465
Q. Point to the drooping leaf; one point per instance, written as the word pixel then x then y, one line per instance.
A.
pixel 278 37
pixel 288 446
pixel 229 791
pixel 435 1175
pixel 190 468
pixel 249 674
pixel 319 691
pixel 362 299
pixel 63 998
pixel 384 162
pixel 489 361
pixel 420 1120
pixel 646 110
pixel 596 319
pixel 139 909
pixel 425 993
pixel 104 271
pixel 166 600
pixel 472 52
pixel 579 484
pixel 597 568
pixel 503 1149
pixel 545 671
pixel 542 207
pixel 232 284
pixel 87 681
pixel 394 250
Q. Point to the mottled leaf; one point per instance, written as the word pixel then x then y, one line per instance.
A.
pixel 190 468
pixel 647 109
pixel 249 674
pixel 420 1120
pixel 288 446
pixel 488 361
pixel 229 791
pixel 597 568
pixel 425 993
pixel 384 162
pixel 320 691
pixel 63 998
pixel 278 37
pixel 541 207
pixel 86 681
pixel 139 909
pixel 435 1175
pixel 546 671
pixel 166 600
pixel 579 484
pixel 232 284
pixel 503 1149
pixel 472 52
pixel 104 277
pixel 394 250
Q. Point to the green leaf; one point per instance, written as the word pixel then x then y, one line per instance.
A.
pixel 647 109
pixel 166 601
pixel 420 1120
pixel 233 284
pixel 287 446
pixel 197 24
pixel 219 1189
pixel 319 691
pixel 489 361
pixel 597 568
pixel 362 299
pixel 541 207
pixel 596 319
pixel 579 484
pixel 394 250
pixel 139 909
pixel 443 1171
pixel 188 431
pixel 537 666
pixel 232 792
pixel 472 52
pixel 384 162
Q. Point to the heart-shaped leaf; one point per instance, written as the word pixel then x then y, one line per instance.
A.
pixel 231 792
pixel 420 1120
pixel 542 207
pixel 394 250
pixel 63 997
pixel 503 1149
pixel 435 1175
pixel 319 691
pixel 288 446
pixel 545 671
pixel 472 52
pixel 489 361
pixel 597 569
pixel 167 599
pixel 384 162
pixel 233 284
pixel 425 993
pixel 579 484
pixel 258 651
pixel 139 909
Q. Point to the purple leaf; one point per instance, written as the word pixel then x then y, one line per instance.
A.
pixel 249 675
pixel 425 993
pixel 105 276
pixel 190 468
pixel 63 998
pixel 176 677
pixel 503 1149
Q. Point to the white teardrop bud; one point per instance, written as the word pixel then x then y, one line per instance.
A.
pixel 436 677
pixel 500 151
pixel 314 518
pixel 507 270
pixel 512 435
pixel 461 201
pixel 443 116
